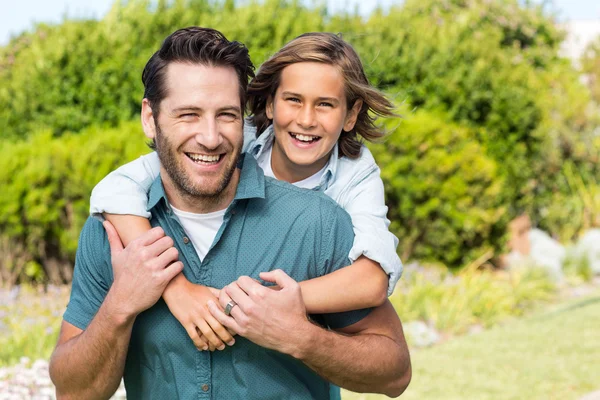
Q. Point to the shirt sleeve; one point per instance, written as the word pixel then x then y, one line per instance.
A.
pixel 337 241
pixel 92 276
pixel 365 203
pixel 125 190
pixel 249 136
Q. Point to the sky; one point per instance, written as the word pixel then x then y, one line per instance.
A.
pixel 20 15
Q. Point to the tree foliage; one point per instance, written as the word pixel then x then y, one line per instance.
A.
pixel 501 119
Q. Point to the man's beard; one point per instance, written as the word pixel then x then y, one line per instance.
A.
pixel 184 184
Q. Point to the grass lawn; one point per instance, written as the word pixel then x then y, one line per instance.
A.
pixel 554 354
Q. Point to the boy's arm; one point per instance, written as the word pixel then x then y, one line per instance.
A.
pixel 365 203
pixel 186 301
pixel 125 190
pixel 376 266
pixel 360 285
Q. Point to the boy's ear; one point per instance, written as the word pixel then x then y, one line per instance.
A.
pixel 269 108
pixel 147 117
pixel 353 115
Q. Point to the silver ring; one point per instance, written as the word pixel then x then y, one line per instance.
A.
pixel 229 307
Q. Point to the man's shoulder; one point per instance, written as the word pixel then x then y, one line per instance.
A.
pixel 93 240
pixel 307 210
pixel 276 189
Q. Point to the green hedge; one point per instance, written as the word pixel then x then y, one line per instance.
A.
pixel 501 114
pixel 441 188
pixel 46 184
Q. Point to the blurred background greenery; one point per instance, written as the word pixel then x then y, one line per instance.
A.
pixel 495 124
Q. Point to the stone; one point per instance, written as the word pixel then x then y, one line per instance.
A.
pixel 547 253
pixel 588 246
pixel 420 334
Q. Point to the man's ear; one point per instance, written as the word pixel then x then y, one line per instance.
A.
pixel 147 117
pixel 352 115
pixel 269 108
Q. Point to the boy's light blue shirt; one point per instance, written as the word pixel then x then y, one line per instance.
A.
pixel 354 184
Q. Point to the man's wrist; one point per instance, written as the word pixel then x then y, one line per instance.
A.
pixel 305 340
pixel 117 312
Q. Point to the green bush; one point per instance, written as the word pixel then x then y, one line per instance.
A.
pixel 44 203
pixel 487 73
pixel 453 303
pixel 442 190
pixel 81 73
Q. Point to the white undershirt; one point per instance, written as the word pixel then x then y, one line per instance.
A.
pixel 200 228
pixel 264 161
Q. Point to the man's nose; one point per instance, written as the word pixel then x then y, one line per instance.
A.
pixel 208 134
pixel 306 117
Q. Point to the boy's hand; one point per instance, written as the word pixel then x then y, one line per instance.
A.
pixel 187 302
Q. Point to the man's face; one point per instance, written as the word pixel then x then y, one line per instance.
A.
pixel 198 133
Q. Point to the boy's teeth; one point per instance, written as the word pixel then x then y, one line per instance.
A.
pixel 204 158
pixel 305 138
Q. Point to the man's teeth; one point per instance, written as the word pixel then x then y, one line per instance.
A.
pixel 305 138
pixel 204 158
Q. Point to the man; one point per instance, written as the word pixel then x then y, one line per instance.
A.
pixel 116 324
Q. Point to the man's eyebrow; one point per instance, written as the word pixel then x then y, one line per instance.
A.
pixel 235 109
pixel 199 109
pixel 185 108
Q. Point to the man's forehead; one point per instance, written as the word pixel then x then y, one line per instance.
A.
pixel 185 82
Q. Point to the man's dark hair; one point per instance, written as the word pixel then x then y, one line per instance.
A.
pixel 195 45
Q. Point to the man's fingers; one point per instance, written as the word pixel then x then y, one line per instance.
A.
pixel 238 295
pixel 116 246
pixel 169 256
pixel 172 270
pixel 160 246
pixel 209 334
pixel 151 236
pixel 278 277
pixel 220 316
pixel 251 286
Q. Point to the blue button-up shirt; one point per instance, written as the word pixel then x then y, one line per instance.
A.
pixel 270 224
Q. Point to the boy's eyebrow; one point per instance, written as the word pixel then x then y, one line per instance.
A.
pixel 330 99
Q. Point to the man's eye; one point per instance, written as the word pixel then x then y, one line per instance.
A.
pixel 188 115
pixel 325 104
pixel 228 116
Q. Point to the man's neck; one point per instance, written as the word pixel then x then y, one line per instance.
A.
pixel 199 204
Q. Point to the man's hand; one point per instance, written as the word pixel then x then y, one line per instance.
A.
pixel 267 317
pixel 142 270
pixel 187 301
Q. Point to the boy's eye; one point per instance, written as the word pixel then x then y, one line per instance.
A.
pixel 325 104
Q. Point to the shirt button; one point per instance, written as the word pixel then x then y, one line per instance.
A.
pixel 233 211
pixel 205 387
pixel 186 240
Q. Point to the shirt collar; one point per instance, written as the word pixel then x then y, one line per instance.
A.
pixel 250 185
pixel 265 140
